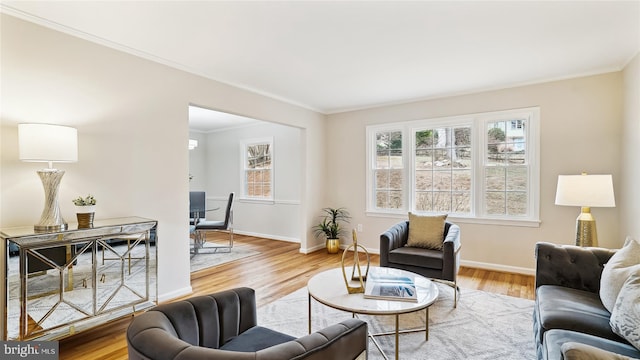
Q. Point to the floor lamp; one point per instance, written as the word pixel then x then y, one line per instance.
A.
pixel 586 191
pixel 48 143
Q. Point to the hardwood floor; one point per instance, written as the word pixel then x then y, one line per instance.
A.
pixel 279 270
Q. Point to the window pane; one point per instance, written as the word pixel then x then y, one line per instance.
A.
pixel 517 178
pixel 395 200
pixel 495 203
pixel 423 180
pixel 424 139
pixel 424 201
pixel 517 203
pixel 442 180
pixel 462 157
pixel 461 180
pixel 495 179
pixel 461 202
pixel 382 179
pixel 423 159
pixel 382 199
pixel 442 201
pixel 462 136
pixel 516 157
pixel 395 179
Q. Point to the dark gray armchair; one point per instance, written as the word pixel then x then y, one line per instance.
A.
pixel 440 265
pixel 224 326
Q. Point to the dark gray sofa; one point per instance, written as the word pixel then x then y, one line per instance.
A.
pixel 568 307
pixel 223 326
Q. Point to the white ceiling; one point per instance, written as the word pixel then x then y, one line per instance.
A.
pixel 336 56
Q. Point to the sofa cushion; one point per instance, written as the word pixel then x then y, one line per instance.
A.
pixel 426 231
pixel 256 339
pixel 432 259
pixel 625 318
pixel 558 307
pixel 622 264
pixel 555 339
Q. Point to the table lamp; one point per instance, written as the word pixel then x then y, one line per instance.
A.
pixel 586 191
pixel 48 143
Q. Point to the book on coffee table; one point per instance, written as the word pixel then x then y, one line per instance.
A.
pixel 390 284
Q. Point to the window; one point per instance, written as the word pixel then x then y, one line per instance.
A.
pixel 478 166
pixel 388 169
pixel 442 167
pixel 258 169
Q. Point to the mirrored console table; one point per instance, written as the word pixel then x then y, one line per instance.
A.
pixel 63 282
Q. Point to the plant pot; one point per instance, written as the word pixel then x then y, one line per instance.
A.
pixel 85 216
pixel 85 220
pixel 333 246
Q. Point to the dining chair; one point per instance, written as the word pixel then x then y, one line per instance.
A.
pixel 197 204
pixel 205 226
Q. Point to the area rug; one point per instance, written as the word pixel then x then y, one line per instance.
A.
pixel 209 258
pixel 483 326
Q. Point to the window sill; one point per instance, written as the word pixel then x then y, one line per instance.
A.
pixel 257 201
pixel 467 220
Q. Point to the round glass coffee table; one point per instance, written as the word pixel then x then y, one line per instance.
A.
pixel 328 288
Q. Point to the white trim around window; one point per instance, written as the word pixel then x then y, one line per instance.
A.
pixel 257 174
pixel 510 197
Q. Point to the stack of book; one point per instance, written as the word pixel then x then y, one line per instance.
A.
pixel 390 284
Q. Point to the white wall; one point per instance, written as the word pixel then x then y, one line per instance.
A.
pixel 581 124
pixel 222 170
pixel 132 120
pixel 629 209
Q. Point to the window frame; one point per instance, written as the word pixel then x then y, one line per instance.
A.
pixel 244 144
pixel 478 123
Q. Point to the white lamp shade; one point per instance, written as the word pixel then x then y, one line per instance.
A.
pixel 585 191
pixel 47 143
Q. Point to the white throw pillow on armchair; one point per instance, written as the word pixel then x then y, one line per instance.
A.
pixel 624 263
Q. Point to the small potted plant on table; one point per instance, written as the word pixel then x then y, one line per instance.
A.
pixel 85 210
pixel 330 228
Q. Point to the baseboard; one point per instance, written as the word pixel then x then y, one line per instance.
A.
pixel 312 249
pixel 497 267
pixel 175 294
pixel 267 236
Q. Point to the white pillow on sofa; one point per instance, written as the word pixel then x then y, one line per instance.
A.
pixel 625 317
pixel 622 264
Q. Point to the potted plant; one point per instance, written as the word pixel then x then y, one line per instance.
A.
pixel 85 210
pixel 330 227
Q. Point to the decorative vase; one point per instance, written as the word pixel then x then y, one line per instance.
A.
pixel 85 216
pixel 333 246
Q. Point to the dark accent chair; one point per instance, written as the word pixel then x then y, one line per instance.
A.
pixel 568 306
pixel 440 265
pixel 224 326
pixel 204 226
